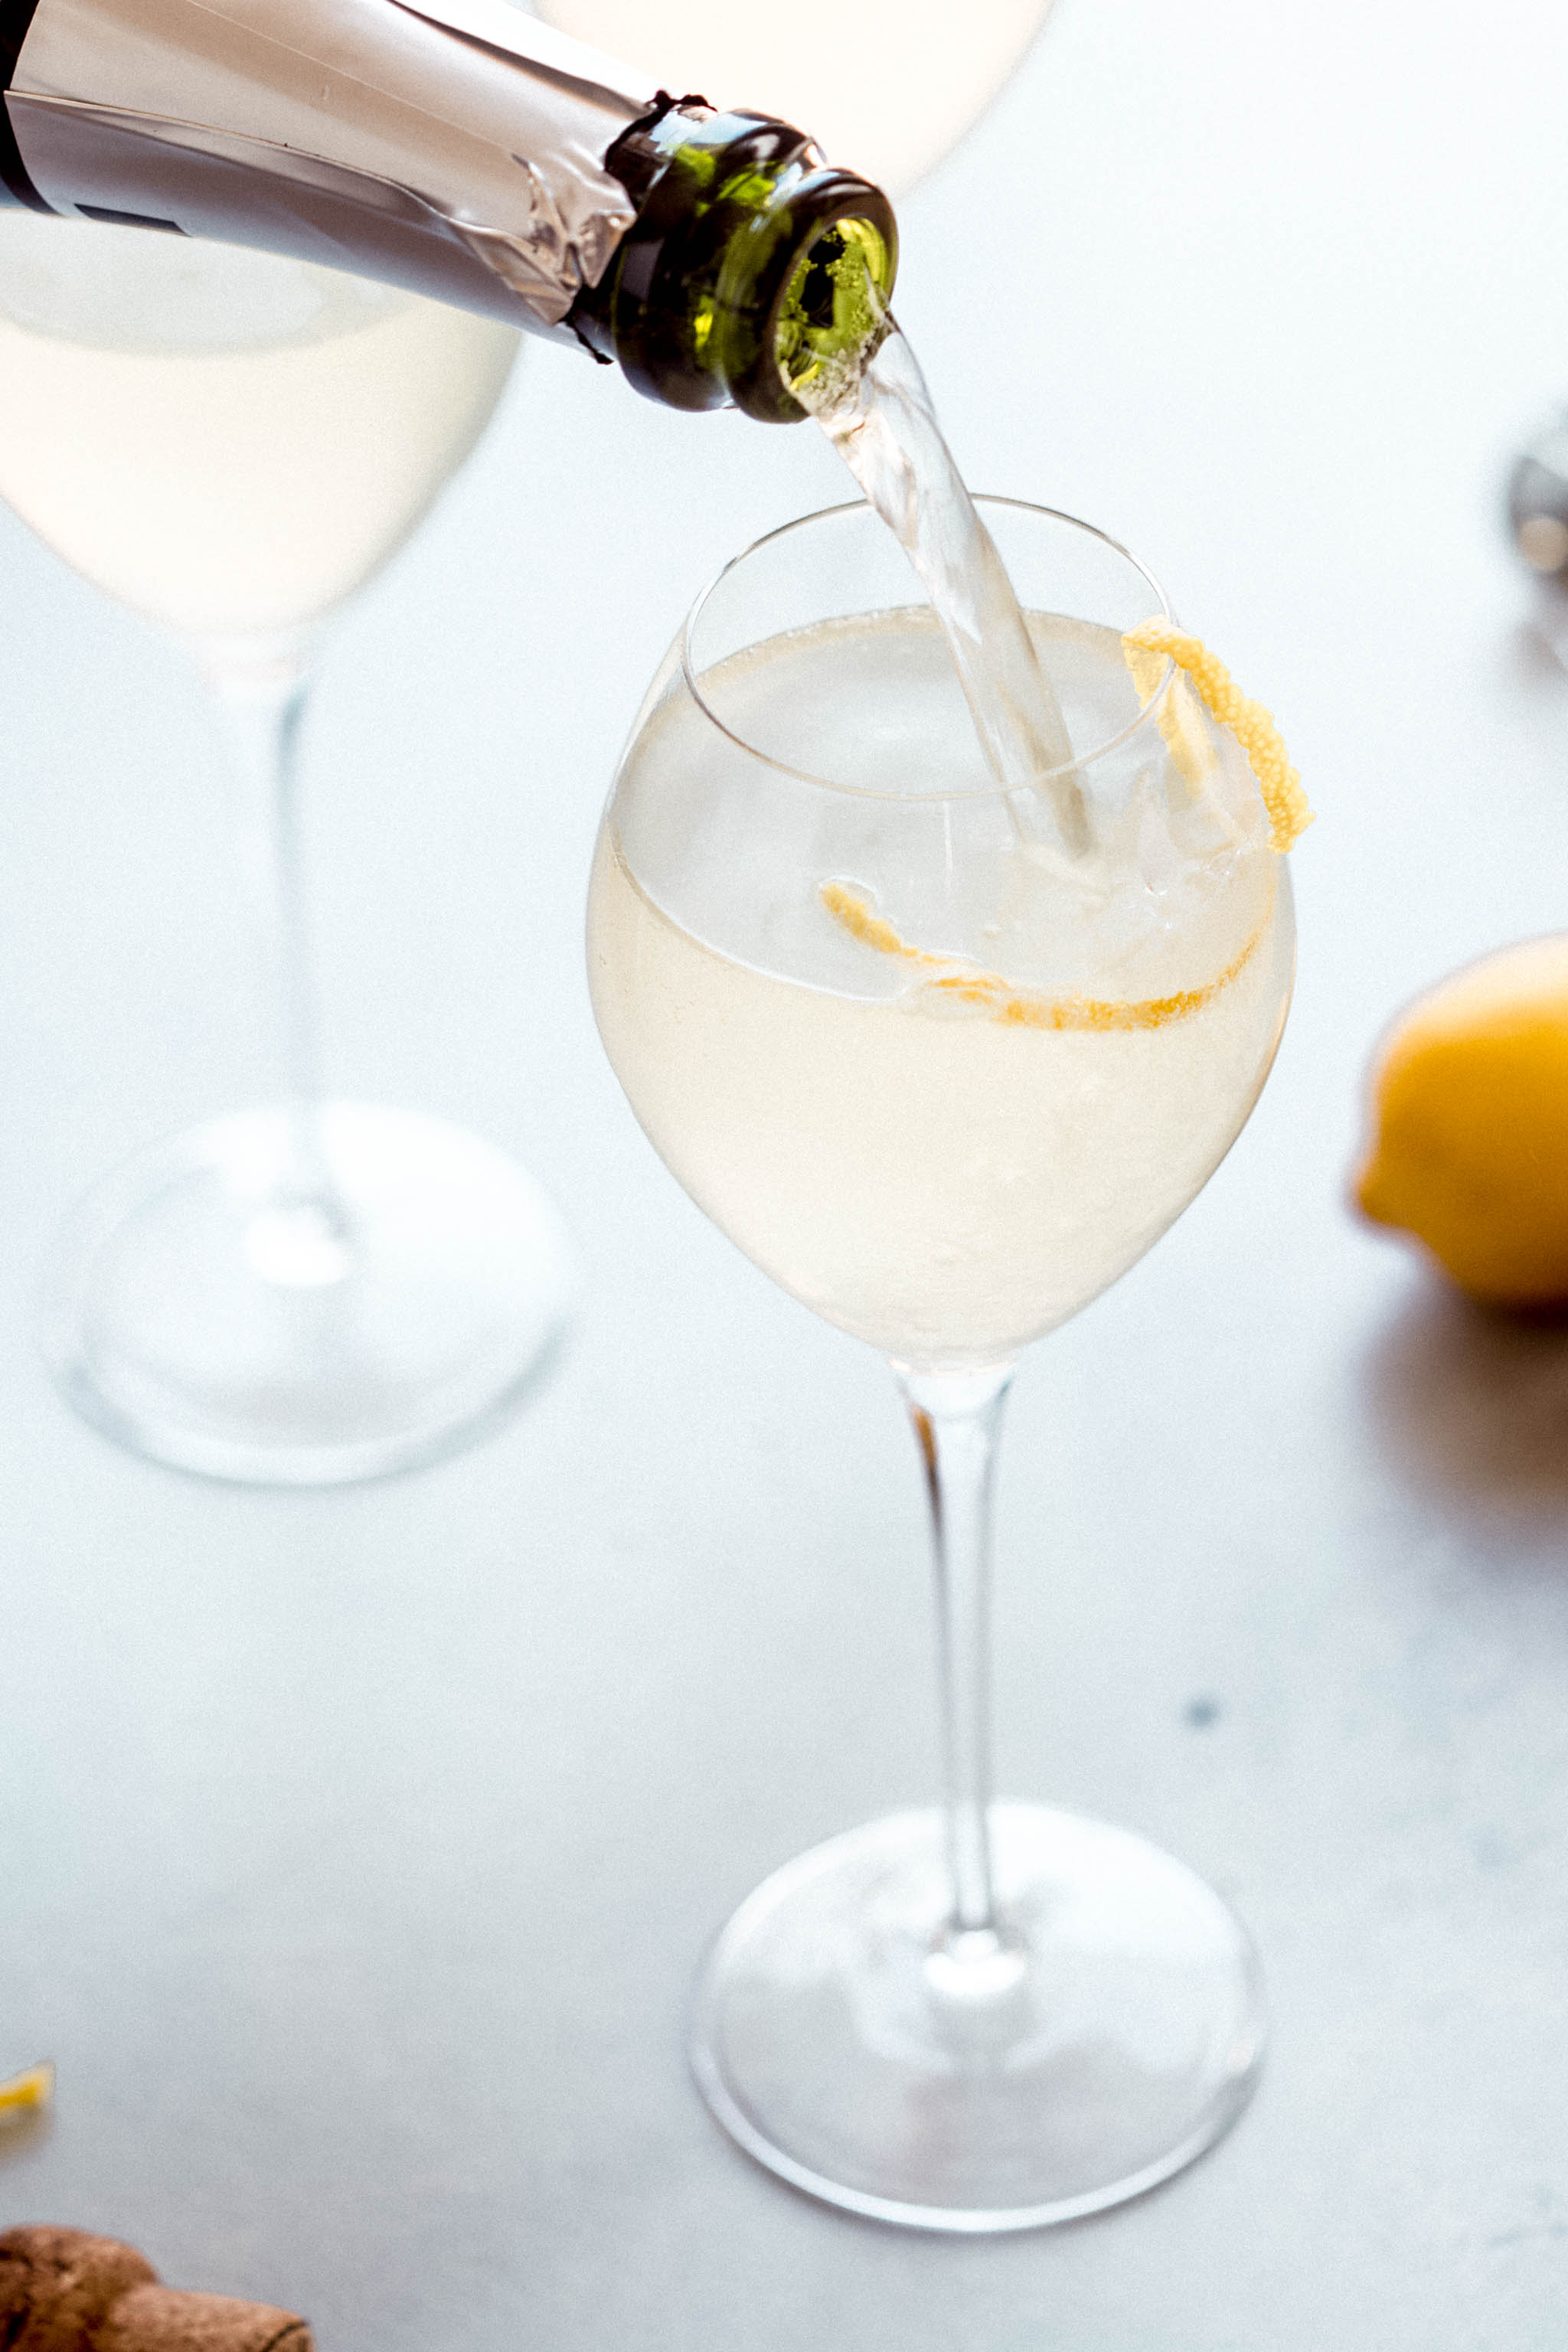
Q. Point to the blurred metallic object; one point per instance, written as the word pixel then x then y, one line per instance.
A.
pixel 1538 503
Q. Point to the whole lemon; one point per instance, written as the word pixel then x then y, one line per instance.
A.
pixel 1469 1111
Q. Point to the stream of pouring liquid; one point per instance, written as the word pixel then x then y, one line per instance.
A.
pixel 882 423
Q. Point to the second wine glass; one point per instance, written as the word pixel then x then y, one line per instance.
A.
pixel 889 86
pixel 232 443
pixel 944 1080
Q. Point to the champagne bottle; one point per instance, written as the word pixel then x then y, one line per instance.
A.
pixel 464 150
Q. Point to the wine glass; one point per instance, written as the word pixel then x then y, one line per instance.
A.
pixel 944 1082
pixel 232 443
pixel 886 87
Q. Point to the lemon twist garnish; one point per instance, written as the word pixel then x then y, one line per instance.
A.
pixel 1180 716
pixel 968 984
pixel 854 912
pixel 1252 725
pixel 34 2088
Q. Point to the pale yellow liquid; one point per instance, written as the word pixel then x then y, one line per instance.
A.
pixel 884 86
pixel 230 442
pixel 946 1181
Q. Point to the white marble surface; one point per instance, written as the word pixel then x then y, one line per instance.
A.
pixel 355 1848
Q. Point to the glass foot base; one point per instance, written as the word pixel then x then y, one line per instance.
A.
pixel 1109 2033
pixel 198 1314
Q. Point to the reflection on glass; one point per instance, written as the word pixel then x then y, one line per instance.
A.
pixel 944 1082
pixel 884 86
pixel 232 443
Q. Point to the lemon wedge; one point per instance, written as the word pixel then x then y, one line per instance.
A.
pixel 1469 1148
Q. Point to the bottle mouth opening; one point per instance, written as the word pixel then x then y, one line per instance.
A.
pixel 752 265
pixel 828 309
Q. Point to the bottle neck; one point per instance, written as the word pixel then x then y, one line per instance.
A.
pixel 466 151
pixel 16 185
pixel 452 146
pixel 751 262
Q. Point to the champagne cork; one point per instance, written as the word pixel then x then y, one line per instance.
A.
pixel 64 2291
pixel 160 2319
pixel 58 2286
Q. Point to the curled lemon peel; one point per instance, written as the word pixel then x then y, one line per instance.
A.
pixel 1192 754
pixel 855 913
pixel 966 984
pixel 33 2088
pixel 1252 725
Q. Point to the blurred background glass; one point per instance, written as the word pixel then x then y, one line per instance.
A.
pixel 885 87
pixel 232 444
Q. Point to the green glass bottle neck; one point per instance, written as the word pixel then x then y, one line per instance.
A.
pixel 752 265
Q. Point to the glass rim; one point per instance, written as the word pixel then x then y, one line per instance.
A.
pixel 1146 711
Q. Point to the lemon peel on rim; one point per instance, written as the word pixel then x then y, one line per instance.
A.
pixel 966 984
pixel 1252 725
pixel 1191 752
pixel 34 2087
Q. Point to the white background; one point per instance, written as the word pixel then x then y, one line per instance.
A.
pixel 355 1848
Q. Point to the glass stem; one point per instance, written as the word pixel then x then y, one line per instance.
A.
pixel 957 1419
pixel 261 704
